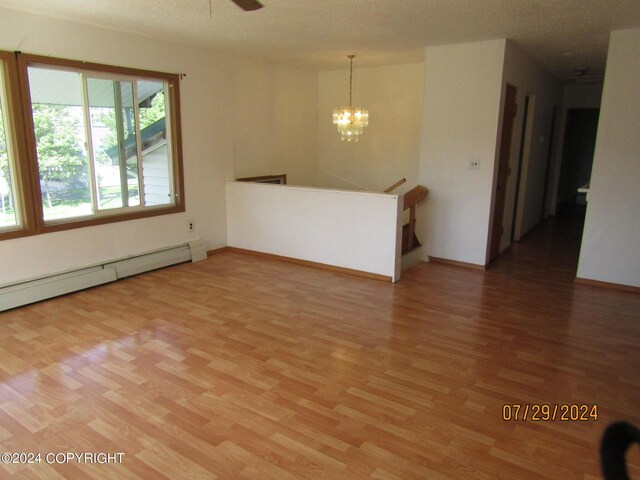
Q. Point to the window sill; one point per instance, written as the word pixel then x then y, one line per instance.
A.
pixel 69 224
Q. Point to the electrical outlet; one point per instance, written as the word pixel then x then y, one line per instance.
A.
pixel 192 227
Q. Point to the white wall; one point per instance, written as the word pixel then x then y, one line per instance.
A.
pixel 355 230
pixel 208 106
pixel 275 121
pixel 544 92
pixel 389 148
pixel 611 239
pixel 462 98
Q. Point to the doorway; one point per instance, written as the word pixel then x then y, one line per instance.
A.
pixel 577 160
pixel 497 227
pixel 523 169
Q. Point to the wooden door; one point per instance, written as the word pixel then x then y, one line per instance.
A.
pixel 508 118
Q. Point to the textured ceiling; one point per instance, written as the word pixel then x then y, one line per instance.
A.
pixel 562 35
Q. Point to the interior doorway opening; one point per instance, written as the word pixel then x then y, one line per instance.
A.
pixel 577 159
pixel 508 119
pixel 522 159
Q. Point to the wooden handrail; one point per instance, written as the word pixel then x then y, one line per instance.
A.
pixel 395 185
pixel 411 199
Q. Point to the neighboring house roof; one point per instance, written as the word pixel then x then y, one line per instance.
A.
pixel 152 135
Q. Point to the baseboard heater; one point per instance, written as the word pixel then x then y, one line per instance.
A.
pixel 34 290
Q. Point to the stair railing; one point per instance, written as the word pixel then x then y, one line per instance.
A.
pixel 411 199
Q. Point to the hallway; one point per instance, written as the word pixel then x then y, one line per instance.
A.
pixel 551 249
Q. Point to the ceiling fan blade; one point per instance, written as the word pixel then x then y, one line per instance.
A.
pixel 248 5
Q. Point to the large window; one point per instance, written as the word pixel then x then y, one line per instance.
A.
pixel 102 144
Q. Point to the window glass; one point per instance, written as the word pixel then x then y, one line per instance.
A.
pixel 113 139
pixel 156 159
pixel 128 127
pixel 59 128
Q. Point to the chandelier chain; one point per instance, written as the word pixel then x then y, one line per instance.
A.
pixel 350 79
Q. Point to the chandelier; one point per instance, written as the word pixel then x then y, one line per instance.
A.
pixel 350 120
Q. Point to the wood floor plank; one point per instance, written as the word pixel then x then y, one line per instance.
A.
pixel 247 367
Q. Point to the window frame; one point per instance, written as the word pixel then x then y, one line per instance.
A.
pixel 22 115
pixel 16 137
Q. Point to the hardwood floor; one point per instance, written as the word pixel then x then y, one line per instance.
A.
pixel 251 368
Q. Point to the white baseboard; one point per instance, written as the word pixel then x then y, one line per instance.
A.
pixel 53 286
pixel 34 290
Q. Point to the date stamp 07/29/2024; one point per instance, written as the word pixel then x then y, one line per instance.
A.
pixel 546 412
